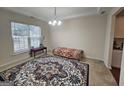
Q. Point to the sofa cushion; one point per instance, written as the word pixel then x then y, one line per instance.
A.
pixel 68 52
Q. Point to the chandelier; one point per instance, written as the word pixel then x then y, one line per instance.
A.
pixel 55 21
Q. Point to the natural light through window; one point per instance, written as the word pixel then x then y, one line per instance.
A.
pixel 35 36
pixel 25 36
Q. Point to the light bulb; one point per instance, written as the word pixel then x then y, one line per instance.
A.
pixel 50 22
pixel 54 21
pixel 53 24
pixel 59 23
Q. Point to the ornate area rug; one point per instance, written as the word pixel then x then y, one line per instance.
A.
pixel 49 71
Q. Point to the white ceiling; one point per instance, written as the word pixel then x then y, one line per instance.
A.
pixel 47 13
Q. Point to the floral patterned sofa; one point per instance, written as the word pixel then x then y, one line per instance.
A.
pixel 68 53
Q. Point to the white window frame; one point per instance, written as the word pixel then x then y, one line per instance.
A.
pixel 39 38
pixel 29 41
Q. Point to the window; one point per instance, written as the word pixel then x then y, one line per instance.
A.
pixel 35 36
pixel 25 36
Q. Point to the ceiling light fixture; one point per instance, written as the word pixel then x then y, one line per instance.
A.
pixel 55 21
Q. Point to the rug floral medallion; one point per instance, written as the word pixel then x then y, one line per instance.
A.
pixel 49 71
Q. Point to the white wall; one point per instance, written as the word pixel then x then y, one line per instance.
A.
pixel 109 37
pixel 86 33
pixel 6 49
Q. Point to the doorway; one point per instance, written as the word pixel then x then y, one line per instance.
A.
pixel 118 43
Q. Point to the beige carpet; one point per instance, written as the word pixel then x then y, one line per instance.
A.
pixel 99 75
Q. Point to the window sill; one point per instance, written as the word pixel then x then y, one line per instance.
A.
pixel 20 52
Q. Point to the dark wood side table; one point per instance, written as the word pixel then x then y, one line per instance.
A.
pixel 33 51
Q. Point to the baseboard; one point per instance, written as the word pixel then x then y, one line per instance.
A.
pixel 95 58
pixel 108 66
pixel 17 62
pixel 13 63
